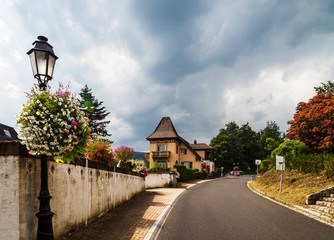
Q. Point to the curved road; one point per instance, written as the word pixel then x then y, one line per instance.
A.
pixel 227 209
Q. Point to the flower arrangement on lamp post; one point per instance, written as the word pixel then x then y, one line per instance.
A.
pixel 53 124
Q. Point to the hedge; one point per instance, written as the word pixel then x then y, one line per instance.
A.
pixel 186 174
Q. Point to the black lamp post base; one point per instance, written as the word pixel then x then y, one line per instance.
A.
pixel 45 229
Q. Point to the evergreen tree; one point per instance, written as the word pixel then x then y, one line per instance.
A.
pixel 95 112
pixel 270 131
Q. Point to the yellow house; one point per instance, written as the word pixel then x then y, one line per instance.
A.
pixel 168 148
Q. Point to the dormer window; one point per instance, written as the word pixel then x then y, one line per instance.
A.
pixel 7 133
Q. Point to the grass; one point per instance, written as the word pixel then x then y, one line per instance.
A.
pixel 296 186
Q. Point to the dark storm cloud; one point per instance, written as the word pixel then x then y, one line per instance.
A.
pixel 171 24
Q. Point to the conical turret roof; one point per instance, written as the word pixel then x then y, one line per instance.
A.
pixel 165 129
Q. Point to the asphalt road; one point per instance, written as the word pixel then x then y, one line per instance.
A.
pixel 227 209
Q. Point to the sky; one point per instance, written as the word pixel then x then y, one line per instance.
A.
pixel 204 63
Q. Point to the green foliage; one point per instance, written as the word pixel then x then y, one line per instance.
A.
pixel 329 165
pixel 265 165
pixel 157 168
pixel 325 88
pixel 186 174
pixel 200 175
pixel 306 163
pixel 270 131
pixel 240 146
pixel 95 112
pixel 290 149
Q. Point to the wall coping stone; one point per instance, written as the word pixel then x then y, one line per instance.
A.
pixel 16 148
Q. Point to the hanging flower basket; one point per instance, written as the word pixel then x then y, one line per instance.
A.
pixel 53 124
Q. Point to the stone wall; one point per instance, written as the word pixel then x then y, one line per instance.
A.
pixel 79 192
pixel 314 197
pixel 160 179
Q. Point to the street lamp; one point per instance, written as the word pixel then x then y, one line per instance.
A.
pixel 43 60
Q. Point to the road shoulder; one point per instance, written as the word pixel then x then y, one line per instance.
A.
pixel 305 211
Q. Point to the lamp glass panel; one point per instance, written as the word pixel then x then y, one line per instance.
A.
pixel 33 62
pixel 51 65
pixel 42 58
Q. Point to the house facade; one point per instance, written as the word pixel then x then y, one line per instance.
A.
pixel 168 148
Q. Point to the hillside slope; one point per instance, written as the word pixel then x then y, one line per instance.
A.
pixel 295 188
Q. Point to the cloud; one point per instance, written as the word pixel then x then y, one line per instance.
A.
pixel 204 63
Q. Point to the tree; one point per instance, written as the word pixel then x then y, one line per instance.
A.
pixel 250 145
pixel 228 149
pixel 95 112
pixel 325 88
pixel 313 123
pixel 290 149
pixel 270 131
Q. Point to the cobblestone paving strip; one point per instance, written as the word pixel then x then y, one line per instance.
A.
pixel 133 219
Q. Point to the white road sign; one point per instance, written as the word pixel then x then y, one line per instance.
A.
pixel 280 163
pixel 257 162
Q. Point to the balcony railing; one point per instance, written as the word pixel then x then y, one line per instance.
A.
pixel 164 154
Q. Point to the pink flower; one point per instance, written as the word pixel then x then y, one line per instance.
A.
pixel 74 123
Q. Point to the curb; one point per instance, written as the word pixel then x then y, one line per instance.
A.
pixel 307 212
pixel 157 225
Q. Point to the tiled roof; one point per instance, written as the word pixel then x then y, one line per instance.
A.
pixel 165 129
pixel 201 146
pixel 7 133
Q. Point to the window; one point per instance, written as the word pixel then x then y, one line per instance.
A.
pixel 183 151
pixel 188 164
pixel 177 149
pixel 159 149
pixel 7 133
pixel 162 163
pixel 165 147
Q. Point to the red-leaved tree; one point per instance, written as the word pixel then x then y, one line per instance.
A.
pixel 313 123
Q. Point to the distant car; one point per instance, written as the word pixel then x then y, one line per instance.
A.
pixel 236 173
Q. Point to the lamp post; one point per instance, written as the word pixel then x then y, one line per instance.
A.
pixel 43 60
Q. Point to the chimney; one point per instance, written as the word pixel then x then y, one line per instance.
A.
pixel 195 141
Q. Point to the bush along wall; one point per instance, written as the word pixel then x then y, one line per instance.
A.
pixel 185 173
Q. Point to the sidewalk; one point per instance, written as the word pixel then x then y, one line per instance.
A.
pixel 134 218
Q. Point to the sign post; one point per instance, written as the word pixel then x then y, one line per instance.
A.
pixel 280 165
pixel 257 163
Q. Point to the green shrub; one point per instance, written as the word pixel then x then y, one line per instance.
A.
pixel 185 173
pixel 310 163
pixel 200 175
pixel 290 149
pixel 264 166
pixel 157 168
pixel 218 171
pixel 329 165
